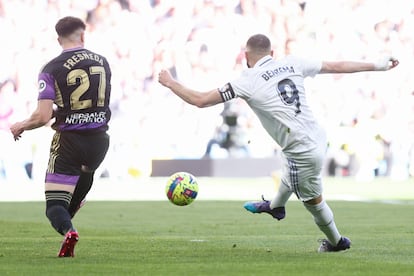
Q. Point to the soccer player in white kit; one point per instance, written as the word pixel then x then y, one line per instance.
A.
pixel 274 90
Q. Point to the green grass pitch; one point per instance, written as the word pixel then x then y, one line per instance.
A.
pixel 209 237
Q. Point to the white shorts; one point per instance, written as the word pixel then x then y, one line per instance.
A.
pixel 303 173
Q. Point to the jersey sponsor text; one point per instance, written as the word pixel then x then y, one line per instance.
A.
pixel 83 118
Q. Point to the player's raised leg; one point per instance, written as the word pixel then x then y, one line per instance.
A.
pixel 82 188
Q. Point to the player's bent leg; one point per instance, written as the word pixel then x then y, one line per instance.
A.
pixel 282 196
pixel 82 188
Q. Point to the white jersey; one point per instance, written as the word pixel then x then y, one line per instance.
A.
pixel 274 89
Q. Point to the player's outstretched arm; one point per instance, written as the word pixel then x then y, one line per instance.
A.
pixel 383 64
pixel 197 98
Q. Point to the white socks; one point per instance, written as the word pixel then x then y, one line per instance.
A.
pixel 281 197
pixel 321 213
pixel 324 218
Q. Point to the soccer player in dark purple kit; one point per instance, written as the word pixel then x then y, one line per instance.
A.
pixel 74 89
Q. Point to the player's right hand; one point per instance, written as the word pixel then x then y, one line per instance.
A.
pixel 17 130
pixel 386 63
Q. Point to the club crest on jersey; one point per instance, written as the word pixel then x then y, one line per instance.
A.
pixel 42 85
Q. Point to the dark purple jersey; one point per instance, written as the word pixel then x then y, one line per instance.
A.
pixel 79 83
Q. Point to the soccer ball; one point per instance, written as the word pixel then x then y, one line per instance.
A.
pixel 181 188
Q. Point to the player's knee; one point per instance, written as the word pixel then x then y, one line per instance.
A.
pixel 86 169
pixel 315 201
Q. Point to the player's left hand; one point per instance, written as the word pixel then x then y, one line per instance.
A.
pixel 165 78
pixel 17 130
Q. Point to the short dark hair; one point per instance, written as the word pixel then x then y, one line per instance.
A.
pixel 67 25
pixel 259 43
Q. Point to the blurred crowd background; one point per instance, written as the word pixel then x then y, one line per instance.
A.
pixel 369 117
